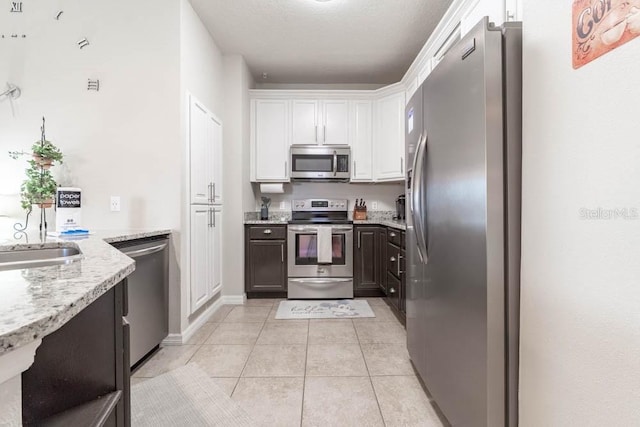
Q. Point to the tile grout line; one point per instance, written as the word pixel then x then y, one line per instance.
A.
pixel 304 374
pixel 250 353
pixel 369 374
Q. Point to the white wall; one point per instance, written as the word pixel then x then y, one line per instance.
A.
pixel 385 194
pixel 122 140
pixel 202 75
pixel 238 81
pixel 580 336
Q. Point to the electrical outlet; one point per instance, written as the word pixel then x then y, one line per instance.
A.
pixel 283 205
pixel 374 206
pixel 115 203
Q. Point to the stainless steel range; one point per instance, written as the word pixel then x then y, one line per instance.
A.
pixel 320 241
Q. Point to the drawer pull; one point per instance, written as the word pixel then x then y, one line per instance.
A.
pixel 267 231
pixel 392 259
pixel 392 291
pixel 392 234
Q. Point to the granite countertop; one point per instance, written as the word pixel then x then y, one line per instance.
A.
pixel 35 302
pixel 393 223
pixel 400 225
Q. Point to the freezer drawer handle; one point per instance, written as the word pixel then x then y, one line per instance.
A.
pixel 146 251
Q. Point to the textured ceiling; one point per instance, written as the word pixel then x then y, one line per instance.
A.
pixel 306 41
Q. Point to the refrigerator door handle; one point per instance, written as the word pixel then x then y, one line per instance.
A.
pixel 416 203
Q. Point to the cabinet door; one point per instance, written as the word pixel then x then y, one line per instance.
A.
pixel 383 258
pixel 200 253
pixel 389 138
pixel 200 152
pixel 270 135
pixel 362 141
pixel 305 122
pixel 215 262
pixel 335 122
pixel 266 266
pixel 366 258
pixel 216 190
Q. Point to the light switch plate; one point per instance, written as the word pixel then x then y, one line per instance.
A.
pixel 283 205
pixel 374 206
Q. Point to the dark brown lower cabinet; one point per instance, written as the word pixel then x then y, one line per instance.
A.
pixel 80 374
pixel 266 261
pixel 393 267
pixel 366 262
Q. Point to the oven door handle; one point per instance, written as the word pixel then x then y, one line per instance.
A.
pixel 320 281
pixel 315 229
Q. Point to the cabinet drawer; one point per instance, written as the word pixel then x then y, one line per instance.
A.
pixel 393 255
pixel 394 236
pixel 393 290
pixel 265 232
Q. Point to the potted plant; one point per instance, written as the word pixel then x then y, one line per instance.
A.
pixel 45 153
pixel 39 188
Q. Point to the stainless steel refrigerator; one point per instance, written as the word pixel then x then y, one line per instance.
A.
pixel 463 142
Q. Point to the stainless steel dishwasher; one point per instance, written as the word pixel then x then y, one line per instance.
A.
pixel 147 294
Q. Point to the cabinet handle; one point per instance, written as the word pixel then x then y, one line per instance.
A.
pixel 209 222
pixel 324 133
pixel 399 271
pixel 401 165
pixel 286 171
pixel 392 234
pixel 209 188
pixel 213 192
pixel 392 291
pixel 316 133
pixel 392 259
pixel 267 231
pixel 282 253
pixel 355 171
pixel 359 236
pixel 213 216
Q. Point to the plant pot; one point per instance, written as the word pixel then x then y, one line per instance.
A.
pixel 43 162
pixel 45 203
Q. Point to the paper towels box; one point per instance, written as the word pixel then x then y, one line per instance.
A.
pixel 68 208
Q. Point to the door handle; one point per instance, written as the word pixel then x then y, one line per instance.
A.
pixel 415 199
pixel 399 271
pixel 145 251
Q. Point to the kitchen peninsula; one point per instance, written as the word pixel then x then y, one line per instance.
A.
pixel 57 323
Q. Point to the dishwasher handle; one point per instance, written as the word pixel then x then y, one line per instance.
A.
pixel 147 251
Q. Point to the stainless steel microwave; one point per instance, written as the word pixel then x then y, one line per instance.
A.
pixel 311 162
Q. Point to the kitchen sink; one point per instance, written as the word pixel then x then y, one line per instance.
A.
pixel 31 258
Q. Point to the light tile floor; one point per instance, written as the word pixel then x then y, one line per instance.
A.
pixel 306 372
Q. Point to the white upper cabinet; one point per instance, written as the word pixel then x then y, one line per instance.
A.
pixel 305 121
pixel 335 122
pixel 205 154
pixel 361 116
pixel 270 140
pixel 389 138
pixel 319 122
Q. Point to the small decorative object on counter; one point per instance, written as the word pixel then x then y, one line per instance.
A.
pixel 360 210
pixel 264 209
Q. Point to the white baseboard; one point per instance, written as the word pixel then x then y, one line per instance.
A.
pixel 234 299
pixel 179 339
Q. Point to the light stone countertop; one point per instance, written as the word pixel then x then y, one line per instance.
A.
pixel 35 302
pixel 400 225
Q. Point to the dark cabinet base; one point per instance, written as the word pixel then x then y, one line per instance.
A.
pixel 79 370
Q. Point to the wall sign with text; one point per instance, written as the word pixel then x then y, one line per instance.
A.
pixel 599 26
